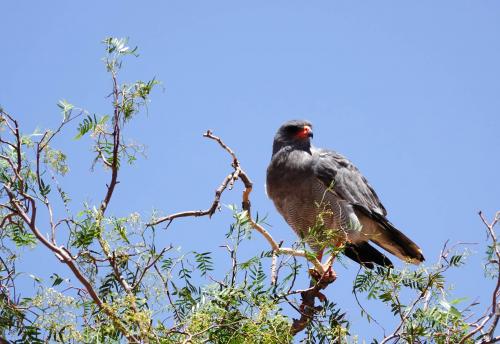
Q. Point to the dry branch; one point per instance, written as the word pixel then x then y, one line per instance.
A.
pixel 492 316
pixel 322 273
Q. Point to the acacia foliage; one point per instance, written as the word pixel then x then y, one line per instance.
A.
pixel 120 284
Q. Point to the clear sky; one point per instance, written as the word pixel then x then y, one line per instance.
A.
pixel 408 90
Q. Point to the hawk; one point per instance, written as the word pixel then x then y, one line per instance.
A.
pixel 328 202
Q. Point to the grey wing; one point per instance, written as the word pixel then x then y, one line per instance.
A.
pixel 344 178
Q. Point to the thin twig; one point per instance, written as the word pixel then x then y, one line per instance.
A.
pixel 149 265
pixel 494 309
pixel 197 213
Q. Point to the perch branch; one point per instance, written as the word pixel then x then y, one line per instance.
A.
pixel 322 273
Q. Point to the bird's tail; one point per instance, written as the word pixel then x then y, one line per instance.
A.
pixel 392 240
pixel 384 234
pixel 366 255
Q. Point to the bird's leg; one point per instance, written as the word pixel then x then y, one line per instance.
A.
pixel 322 279
pixel 327 267
pixel 328 275
pixel 319 255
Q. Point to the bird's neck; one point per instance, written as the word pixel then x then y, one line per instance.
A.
pixel 280 148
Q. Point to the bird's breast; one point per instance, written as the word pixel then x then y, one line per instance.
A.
pixel 308 207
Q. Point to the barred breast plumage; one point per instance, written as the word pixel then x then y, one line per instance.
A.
pixel 313 212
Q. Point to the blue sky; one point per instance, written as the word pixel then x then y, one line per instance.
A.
pixel 409 91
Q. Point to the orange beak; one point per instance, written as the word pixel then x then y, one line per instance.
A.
pixel 305 132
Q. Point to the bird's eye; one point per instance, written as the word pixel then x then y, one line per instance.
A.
pixel 293 129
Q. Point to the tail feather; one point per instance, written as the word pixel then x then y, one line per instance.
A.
pixel 366 255
pixel 392 240
pixel 384 234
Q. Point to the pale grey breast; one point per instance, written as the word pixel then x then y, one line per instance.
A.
pixel 314 212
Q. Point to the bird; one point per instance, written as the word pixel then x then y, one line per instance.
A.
pixel 329 203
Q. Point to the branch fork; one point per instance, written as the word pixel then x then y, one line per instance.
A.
pixel 321 273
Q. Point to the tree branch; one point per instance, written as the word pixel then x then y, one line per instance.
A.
pixel 322 273
pixel 494 309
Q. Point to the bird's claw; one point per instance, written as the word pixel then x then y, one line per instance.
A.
pixel 320 296
pixel 327 277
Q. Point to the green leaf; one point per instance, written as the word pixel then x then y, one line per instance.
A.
pixel 103 120
pixel 118 226
pixel 20 236
pixel 44 188
pixel 119 46
pixel 89 123
pixel 445 304
pixel 56 279
pixel 86 234
pixel 166 264
pixel 204 261
pixel 35 278
pixel 65 109
pixel 456 260
pixel 457 301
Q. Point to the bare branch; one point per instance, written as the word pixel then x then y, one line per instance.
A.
pixel 116 145
pixel 494 309
pixel 197 213
pixel 150 265
pixel 323 273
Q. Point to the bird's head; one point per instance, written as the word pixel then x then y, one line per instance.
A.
pixel 296 134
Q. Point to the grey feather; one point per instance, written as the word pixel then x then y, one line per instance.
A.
pixel 326 200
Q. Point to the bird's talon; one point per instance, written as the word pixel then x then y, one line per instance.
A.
pixel 314 274
pixel 330 275
pixel 321 296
